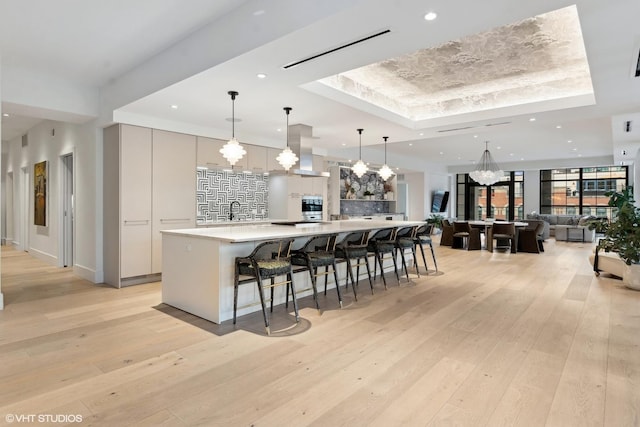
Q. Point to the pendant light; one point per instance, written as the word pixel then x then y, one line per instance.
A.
pixel 359 168
pixel 487 171
pixel 287 158
pixel 385 171
pixel 232 150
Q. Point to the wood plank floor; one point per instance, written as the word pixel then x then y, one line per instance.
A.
pixel 491 340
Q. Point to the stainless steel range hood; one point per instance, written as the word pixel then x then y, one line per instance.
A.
pixel 301 143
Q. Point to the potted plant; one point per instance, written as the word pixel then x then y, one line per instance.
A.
pixel 435 220
pixel 622 235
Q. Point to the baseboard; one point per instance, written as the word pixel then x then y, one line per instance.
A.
pixel 87 273
pixel 43 256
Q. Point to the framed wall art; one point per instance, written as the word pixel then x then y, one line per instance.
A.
pixel 40 193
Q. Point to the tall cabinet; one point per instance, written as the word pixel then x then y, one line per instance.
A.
pixel 149 186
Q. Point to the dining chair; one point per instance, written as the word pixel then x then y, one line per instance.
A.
pixel 504 233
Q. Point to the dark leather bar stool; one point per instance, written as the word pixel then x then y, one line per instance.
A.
pixel 267 261
pixel 405 240
pixel 353 247
pixel 423 237
pixel 383 242
pixel 319 251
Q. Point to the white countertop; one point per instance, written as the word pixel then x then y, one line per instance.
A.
pixel 254 232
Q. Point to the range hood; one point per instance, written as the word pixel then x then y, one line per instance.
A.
pixel 301 143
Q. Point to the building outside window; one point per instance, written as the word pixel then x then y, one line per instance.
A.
pixel 574 191
pixel 502 200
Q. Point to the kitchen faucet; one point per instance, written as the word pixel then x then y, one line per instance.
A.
pixel 231 209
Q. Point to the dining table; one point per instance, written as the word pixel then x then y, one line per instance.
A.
pixel 486 225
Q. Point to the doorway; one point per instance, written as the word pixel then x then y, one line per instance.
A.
pixel 9 225
pixel 67 210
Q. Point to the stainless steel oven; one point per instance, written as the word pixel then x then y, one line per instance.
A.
pixel 312 208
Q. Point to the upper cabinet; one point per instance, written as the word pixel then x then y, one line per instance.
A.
pixel 209 156
pixel 208 153
pixel 256 158
pixel 272 162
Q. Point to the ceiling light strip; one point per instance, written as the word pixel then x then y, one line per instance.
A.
pixel 302 61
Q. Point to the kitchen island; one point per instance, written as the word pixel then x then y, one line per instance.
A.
pixel 198 264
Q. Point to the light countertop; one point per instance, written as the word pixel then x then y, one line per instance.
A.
pixel 255 232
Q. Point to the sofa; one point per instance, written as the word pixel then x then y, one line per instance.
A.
pixel 559 226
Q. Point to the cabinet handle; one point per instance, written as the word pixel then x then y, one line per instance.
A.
pixel 173 220
pixel 136 222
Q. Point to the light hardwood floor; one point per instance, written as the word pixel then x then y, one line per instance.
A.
pixel 493 339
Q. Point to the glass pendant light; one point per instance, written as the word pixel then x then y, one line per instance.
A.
pixel 232 150
pixel 385 171
pixel 487 170
pixel 287 158
pixel 359 168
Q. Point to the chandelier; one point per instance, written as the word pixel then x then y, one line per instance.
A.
pixel 359 168
pixel 232 150
pixel 287 158
pixel 487 170
pixel 385 171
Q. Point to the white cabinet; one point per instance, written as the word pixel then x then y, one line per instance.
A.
pixel 149 185
pixel 174 187
pixel 272 162
pixel 256 158
pixel 208 153
pixel 285 197
pixel 135 200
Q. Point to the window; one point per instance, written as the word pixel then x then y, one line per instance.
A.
pixel 580 190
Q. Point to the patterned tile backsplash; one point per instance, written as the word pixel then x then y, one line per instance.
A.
pixel 217 189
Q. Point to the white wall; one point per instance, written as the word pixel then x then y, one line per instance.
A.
pixel 49 141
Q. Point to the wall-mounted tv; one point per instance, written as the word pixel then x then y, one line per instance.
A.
pixel 439 201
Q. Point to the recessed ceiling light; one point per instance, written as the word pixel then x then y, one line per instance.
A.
pixel 430 16
pixel 421 134
pixel 344 144
pixel 521 158
pixel 574 149
pixel 259 12
pixel 532 119
pixel 498 148
pixel 441 153
pixel 279 130
pixel 174 107
pixel 261 75
pixel 559 127
pixel 579 155
pixel 569 141
pixel 475 136
pixel 511 154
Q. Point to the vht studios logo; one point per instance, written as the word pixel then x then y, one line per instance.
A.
pixel 43 418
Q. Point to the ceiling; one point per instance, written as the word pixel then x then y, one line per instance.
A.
pixel 142 57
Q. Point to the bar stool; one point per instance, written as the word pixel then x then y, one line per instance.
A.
pixel 381 243
pixel 319 251
pixel 353 247
pixel 423 237
pixel 405 240
pixel 267 261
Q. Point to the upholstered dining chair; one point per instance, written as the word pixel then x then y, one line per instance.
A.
pixel 446 238
pixel 465 236
pixel 530 238
pixel 504 233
